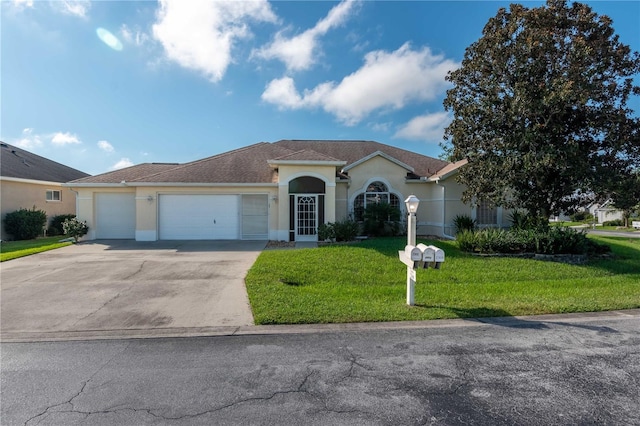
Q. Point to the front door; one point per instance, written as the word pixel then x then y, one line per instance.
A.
pixel 306 217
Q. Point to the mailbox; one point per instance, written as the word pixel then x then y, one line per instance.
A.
pixel 428 253
pixel 413 253
pixel 438 256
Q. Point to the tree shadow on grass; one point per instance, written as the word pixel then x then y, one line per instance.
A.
pixel 499 317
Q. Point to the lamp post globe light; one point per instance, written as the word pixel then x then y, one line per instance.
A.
pixel 412 203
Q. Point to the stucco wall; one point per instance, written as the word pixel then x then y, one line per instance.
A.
pixel 16 195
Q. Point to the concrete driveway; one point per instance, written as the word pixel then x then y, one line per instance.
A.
pixel 114 286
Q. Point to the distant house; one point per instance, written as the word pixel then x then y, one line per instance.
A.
pixel 278 191
pixel 606 212
pixel 28 180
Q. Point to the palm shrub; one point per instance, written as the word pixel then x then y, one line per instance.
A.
pixel 381 219
pixel 25 224
pixel 464 223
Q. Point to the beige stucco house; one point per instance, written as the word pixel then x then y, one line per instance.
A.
pixel 28 180
pixel 271 191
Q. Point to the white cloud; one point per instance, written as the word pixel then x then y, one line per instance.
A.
pixel 105 146
pixel 387 80
pixel 22 4
pixel 201 37
pixel 28 141
pixel 133 36
pixel 298 52
pixel 124 162
pixel 64 139
pixel 428 127
pixel 78 8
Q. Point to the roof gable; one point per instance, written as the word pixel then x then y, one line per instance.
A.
pixel 21 164
pixel 378 154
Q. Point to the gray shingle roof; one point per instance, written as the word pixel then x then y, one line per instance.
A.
pixel 352 151
pixel 18 163
pixel 251 164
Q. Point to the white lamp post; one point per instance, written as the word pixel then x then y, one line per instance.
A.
pixel 412 203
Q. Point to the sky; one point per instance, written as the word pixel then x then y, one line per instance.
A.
pixel 101 85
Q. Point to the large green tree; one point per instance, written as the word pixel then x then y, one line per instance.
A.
pixel 540 109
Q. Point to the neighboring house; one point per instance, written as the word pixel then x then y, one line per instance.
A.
pixel 606 212
pixel 276 191
pixel 28 180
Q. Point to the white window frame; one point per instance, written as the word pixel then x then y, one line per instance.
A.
pixel 50 196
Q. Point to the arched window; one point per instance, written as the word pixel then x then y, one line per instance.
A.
pixel 376 192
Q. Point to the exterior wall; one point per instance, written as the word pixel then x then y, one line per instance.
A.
pixel 147 204
pixel 15 195
pixel 287 173
pixel 439 203
pixel 606 214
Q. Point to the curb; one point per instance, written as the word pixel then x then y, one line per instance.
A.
pixel 252 330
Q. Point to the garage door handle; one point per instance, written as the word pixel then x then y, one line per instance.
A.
pixel 214 221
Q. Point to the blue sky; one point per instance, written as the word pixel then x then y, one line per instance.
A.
pixel 106 84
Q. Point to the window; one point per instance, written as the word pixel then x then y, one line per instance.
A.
pixel 53 195
pixel 486 213
pixel 376 192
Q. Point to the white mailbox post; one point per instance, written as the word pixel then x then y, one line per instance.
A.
pixel 412 203
pixel 416 256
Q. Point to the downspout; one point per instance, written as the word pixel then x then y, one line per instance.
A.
pixel 444 210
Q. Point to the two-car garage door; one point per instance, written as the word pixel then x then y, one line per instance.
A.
pixel 198 217
pixel 212 217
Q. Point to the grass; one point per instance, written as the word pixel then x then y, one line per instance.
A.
pixel 15 249
pixel 367 282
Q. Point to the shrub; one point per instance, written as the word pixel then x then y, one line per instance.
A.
pixel 25 224
pixel 521 220
pixel 74 228
pixel 345 230
pixel 549 241
pixel 617 222
pixel 583 216
pixel 381 219
pixel 55 226
pixel 464 223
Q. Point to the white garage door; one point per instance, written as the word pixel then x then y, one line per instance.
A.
pixel 115 216
pixel 198 217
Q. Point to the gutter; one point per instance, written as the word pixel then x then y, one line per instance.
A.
pixel 444 209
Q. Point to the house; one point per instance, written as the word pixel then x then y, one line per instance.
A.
pixel 272 191
pixel 606 212
pixel 28 180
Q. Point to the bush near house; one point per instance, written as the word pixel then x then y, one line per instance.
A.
pixel 55 226
pixel 25 224
pixel 464 223
pixel 553 240
pixel 345 230
pixel 381 220
pixel 74 228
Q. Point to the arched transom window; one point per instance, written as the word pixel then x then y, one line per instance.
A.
pixel 376 192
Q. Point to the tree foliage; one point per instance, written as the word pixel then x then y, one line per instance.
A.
pixel 540 109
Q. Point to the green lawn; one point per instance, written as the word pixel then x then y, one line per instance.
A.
pixel 14 249
pixel 367 282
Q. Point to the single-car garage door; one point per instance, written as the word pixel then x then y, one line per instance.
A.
pixel 198 217
pixel 115 215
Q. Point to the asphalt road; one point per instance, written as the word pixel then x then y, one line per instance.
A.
pixel 507 371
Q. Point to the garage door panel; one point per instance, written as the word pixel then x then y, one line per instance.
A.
pixel 198 217
pixel 115 215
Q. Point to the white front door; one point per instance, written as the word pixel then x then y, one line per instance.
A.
pixel 306 217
